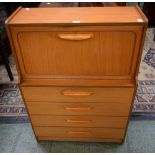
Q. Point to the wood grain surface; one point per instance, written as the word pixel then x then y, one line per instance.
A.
pixel 77 15
pixel 80 132
pixel 79 121
pixel 55 94
pixel 78 69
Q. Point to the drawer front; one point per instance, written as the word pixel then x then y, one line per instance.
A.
pixel 80 132
pixel 105 108
pixel 78 94
pixel 79 121
pixel 104 48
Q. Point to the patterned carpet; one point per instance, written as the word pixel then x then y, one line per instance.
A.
pixel 147 71
pixel 145 97
pixel 11 103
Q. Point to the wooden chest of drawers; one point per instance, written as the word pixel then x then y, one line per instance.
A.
pixel 78 69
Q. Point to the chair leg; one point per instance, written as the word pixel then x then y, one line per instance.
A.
pixel 9 71
pixel 7 66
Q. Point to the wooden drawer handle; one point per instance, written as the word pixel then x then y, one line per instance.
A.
pixel 78 132
pixel 78 121
pixel 75 37
pixel 79 108
pixel 74 93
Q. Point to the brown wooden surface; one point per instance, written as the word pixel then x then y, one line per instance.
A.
pixel 83 14
pixel 106 63
pixel 66 132
pixel 112 34
pixel 55 94
pixel 78 82
pixel 105 108
pixel 79 121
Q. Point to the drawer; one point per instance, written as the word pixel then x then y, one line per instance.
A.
pixel 78 108
pixel 109 133
pixel 79 121
pixel 78 94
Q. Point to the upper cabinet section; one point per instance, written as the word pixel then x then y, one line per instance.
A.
pixel 72 44
pixel 89 52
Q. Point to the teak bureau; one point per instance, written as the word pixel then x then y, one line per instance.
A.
pixel 78 69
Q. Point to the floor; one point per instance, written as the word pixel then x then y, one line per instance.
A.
pixel 20 138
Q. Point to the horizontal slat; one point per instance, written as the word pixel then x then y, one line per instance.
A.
pixel 79 121
pixel 56 94
pixel 77 82
pixel 66 132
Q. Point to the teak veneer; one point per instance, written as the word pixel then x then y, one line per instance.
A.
pixel 78 69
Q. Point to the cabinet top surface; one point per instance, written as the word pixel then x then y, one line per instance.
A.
pixel 77 15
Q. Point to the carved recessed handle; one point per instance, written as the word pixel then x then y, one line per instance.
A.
pixel 78 132
pixel 75 37
pixel 78 121
pixel 76 93
pixel 78 108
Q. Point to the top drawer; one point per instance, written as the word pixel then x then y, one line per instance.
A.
pixel 78 94
pixel 87 52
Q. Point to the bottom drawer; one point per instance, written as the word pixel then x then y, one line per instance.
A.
pixel 70 132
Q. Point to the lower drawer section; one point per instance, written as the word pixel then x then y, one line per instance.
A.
pixel 71 132
pixel 79 121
